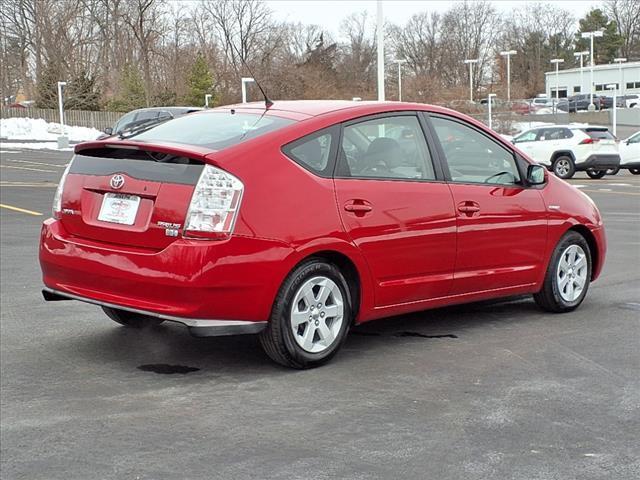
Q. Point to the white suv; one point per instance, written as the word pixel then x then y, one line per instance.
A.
pixel 566 149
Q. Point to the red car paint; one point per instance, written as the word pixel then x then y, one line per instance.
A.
pixel 415 248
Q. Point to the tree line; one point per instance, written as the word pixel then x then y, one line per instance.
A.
pixel 125 54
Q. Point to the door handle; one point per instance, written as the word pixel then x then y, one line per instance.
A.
pixel 358 208
pixel 468 207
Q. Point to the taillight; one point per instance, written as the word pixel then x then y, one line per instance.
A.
pixel 588 141
pixel 214 206
pixel 56 209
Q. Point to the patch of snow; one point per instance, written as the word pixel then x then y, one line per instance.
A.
pixel 34 146
pixel 39 129
pixel 508 138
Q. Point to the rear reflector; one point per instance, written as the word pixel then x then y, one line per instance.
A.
pixel 214 205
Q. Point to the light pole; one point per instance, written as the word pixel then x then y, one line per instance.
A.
pixel 380 48
pixel 557 62
pixel 471 61
pixel 620 61
pixel 591 35
pixel 489 102
pixel 508 54
pixel 207 96
pixel 400 62
pixel 581 55
pixel 245 80
pixel 63 141
pixel 612 87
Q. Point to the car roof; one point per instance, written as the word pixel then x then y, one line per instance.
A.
pixel 313 108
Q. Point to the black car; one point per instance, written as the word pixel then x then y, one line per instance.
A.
pixel 582 101
pixel 144 116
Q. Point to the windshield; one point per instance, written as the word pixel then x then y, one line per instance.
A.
pixel 215 130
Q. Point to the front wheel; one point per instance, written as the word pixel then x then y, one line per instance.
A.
pixel 613 171
pixel 131 319
pixel 310 317
pixel 635 171
pixel 563 167
pixel 568 275
pixel 596 174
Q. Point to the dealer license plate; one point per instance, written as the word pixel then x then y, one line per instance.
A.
pixel 119 208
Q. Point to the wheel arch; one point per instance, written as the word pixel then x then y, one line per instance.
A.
pixel 347 267
pixel 560 153
pixel 593 247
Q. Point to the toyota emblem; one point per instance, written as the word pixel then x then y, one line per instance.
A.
pixel 117 181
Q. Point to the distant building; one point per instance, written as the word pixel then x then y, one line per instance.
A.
pixel 570 83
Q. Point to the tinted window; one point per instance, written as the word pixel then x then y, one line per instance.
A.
pixel 635 138
pixel 389 147
pixel 147 115
pixel 472 157
pixel 123 122
pixel 216 130
pixel 313 151
pixel 599 134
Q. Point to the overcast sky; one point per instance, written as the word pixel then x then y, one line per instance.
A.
pixel 329 13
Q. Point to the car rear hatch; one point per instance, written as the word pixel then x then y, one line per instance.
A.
pixel 600 140
pixel 128 194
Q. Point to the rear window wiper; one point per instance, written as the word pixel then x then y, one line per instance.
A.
pixel 142 127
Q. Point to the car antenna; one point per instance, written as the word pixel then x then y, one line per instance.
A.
pixel 267 103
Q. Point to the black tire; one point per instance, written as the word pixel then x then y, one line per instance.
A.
pixel 596 174
pixel 635 171
pixel 613 171
pixel 563 167
pixel 278 340
pixel 131 319
pixel 549 297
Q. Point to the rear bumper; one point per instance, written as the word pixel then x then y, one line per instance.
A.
pixel 196 283
pixel 198 327
pixel 599 162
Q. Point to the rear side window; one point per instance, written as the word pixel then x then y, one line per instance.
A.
pixel 599 134
pixel 215 130
pixel 314 152
pixel 385 148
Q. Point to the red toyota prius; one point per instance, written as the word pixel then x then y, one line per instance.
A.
pixel 297 221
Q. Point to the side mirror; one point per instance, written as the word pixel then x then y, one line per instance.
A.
pixel 108 131
pixel 536 175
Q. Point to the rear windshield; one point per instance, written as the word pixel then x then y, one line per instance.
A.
pixel 599 134
pixel 215 130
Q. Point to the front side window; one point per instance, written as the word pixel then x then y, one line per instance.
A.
pixel 472 157
pixel 529 136
pixel 385 148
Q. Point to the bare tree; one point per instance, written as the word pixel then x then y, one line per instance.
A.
pixel 626 14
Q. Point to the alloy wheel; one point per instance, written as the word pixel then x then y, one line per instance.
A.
pixel 317 313
pixel 562 168
pixel 571 274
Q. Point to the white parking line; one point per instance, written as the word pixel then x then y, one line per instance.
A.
pixel 37 163
pixel 27 168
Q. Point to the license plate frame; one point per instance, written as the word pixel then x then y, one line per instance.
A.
pixel 119 208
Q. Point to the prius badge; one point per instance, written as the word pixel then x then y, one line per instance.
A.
pixel 116 182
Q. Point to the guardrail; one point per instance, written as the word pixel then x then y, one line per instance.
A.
pixel 76 118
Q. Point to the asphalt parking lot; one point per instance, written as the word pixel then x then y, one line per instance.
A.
pixel 483 391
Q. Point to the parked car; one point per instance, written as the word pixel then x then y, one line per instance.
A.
pixel 581 102
pixel 298 221
pixel 631 101
pixel 629 155
pixel 566 149
pixel 142 116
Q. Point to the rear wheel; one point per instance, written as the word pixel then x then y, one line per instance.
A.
pixel 563 167
pixel 131 319
pixel 635 171
pixel 568 275
pixel 310 318
pixel 596 174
